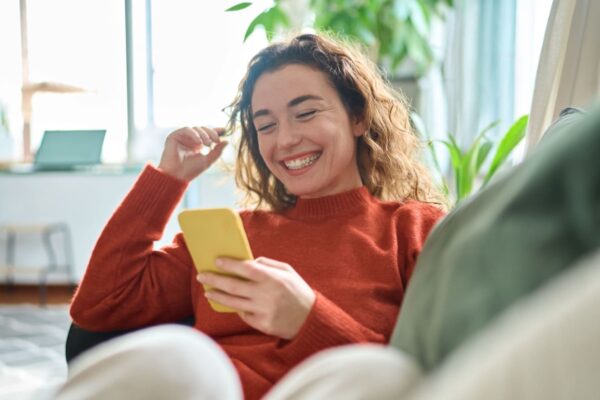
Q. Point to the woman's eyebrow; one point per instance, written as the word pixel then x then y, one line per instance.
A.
pixel 292 103
pixel 300 99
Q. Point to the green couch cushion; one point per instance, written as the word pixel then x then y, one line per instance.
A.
pixel 511 238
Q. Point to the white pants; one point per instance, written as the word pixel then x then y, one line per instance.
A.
pixel 546 347
pixel 175 362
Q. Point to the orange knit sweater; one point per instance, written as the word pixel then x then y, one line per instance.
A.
pixel 355 251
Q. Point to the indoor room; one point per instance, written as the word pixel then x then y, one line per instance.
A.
pixel 289 197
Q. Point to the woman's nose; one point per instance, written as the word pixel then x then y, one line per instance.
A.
pixel 288 136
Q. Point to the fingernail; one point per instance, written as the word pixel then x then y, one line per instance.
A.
pixel 219 262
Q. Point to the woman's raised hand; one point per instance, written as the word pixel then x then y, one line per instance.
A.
pixel 272 297
pixel 182 157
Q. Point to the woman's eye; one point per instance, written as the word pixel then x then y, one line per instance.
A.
pixel 264 128
pixel 306 114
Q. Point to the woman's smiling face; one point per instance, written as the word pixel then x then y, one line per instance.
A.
pixel 305 135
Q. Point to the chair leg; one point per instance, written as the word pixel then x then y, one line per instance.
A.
pixel 11 240
pixel 43 289
pixel 69 258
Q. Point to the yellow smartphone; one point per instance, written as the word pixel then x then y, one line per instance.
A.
pixel 210 233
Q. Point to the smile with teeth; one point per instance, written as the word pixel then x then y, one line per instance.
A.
pixel 302 162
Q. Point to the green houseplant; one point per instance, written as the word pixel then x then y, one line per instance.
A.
pixel 471 168
pixel 394 31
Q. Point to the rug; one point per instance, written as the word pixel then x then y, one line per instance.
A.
pixel 32 350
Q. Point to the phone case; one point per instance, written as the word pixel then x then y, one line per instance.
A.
pixel 211 233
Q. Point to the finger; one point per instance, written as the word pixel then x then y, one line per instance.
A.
pixel 200 162
pixel 206 160
pixel 237 303
pixel 273 263
pixel 186 137
pixel 229 284
pixel 248 317
pixel 203 135
pixel 216 152
pixel 214 135
pixel 248 269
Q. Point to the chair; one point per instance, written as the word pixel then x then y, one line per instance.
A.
pixel 47 232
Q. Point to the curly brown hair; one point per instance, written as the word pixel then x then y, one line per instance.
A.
pixel 387 154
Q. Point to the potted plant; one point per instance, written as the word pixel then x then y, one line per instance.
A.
pixel 471 169
pixel 395 32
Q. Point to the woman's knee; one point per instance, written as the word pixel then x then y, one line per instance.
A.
pixel 168 360
pixel 352 372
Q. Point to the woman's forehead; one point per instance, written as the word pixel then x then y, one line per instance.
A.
pixel 289 82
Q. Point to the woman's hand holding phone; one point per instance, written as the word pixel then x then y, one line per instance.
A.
pixel 182 156
pixel 273 298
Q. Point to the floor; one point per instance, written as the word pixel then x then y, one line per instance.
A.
pixel 32 341
pixel 26 294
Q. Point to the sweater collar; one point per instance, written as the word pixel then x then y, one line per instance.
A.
pixel 327 206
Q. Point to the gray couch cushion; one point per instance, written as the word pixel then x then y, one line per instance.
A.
pixel 507 241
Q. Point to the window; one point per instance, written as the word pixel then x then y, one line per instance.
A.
pixel 191 72
pixel 10 75
pixel 74 43
pixel 197 60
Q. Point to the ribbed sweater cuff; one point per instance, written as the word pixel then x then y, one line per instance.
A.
pixel 155 195
pixel 326 326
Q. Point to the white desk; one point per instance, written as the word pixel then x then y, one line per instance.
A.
pixel 84 201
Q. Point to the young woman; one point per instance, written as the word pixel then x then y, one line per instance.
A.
pixel 343 208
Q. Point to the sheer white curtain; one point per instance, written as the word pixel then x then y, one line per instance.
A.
pixel 569 68
pixel 479 67
pixel 473 85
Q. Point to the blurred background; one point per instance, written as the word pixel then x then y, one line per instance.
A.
pixel 137 69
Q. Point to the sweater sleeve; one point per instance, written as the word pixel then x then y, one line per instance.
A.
pixel 327 325
pixel 415 220
pixel 127 283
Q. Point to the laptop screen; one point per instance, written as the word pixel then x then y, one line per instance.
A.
pixel 67 149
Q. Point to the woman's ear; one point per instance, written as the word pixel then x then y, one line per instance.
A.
pixel 359 128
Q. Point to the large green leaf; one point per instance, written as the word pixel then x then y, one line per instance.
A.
pixel 456 159
pixel 486 145
pixel 469 169
pixel 472 161
pixel 511 139
pixel 239 6
pixel 257 21
pixel 455 154
pixel 278 18
pixel 270 20
pixel 484 151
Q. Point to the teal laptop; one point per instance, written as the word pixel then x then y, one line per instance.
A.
pixel 62 150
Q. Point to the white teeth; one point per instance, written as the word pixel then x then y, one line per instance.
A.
pixel 302 162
